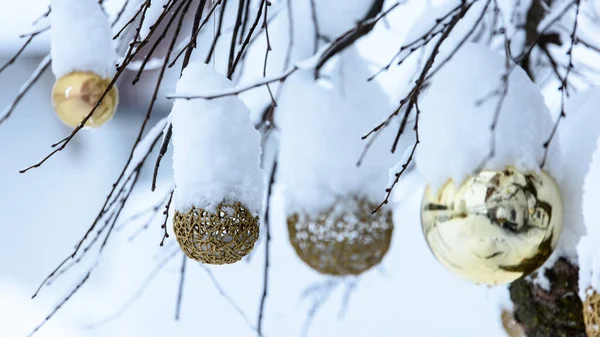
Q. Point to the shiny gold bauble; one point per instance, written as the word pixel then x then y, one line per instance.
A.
pixel 496 227
pixel 221 237
pixel 75 95
pixel 591 314
pixel 346 239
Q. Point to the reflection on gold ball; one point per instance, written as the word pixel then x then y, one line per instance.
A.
pixel 221 237
pixel 496 226
pixel 75 95
pixel 343 240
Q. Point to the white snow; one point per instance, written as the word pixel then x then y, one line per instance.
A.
pixel 216 150
pixel 455 129
pixel 320 140
pixel 337 16
pixel 579 131
pixel 81 38
pixel 588 249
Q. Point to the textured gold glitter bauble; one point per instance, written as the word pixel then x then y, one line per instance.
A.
pixel 591 314
pixel 221 237
pixel 496 227
pixel 75 95
pixel 343 240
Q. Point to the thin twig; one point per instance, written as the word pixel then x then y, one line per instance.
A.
pixel 180 291
pixel 166 214
pixel 263 298
pixel 564 85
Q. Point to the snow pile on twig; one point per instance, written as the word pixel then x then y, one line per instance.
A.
pixel 81 38
pixel 459 108
pixel 216 150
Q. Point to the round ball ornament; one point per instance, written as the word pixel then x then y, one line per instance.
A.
pixel 223 236
pixel 75 95
pixel 591 313
pixel 495 227
pixel 344 240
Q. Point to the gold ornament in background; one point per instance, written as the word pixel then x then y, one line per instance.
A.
pixel 591 314
pixel 511 326
pixel 222 237
pixel 496 227
pixel 75 95
pixel 344 240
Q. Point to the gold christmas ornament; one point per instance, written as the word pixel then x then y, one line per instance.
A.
pixel 221 237
pixel 511 326
pixel 591 314
pixel 346 239
pixel 496 227
pixel 75 95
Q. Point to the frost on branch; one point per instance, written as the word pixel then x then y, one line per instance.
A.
pixel 216 169
pixel 81 38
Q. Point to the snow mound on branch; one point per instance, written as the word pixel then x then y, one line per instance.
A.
pixel 216 150
pixel 320 141
pixel 588 248
pixel 81 38
pixel 458 109
pixel 579 131
pixel 336 17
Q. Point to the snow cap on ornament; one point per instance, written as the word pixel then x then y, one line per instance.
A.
pixel 83 59
pixel 216 169
pixel 589 250
pixel 328 198
pixel 489 221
